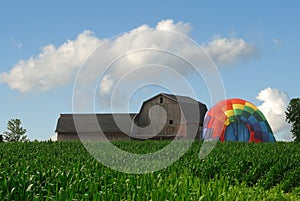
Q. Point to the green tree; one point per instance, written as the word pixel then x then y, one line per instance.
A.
pixel 1 138
pixel 15 133
pixel 293 117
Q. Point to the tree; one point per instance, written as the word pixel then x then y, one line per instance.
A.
pixel 293 117
pixel 15 133
pixel 1 138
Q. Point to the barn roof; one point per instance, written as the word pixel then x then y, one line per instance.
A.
pixel 92 122
pixel 179 98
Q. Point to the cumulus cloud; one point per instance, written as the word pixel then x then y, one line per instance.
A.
pixel 53 67
pixel 229 50
pixel 273 107
pixel 106 85
pixel 58 66
pixel 183 28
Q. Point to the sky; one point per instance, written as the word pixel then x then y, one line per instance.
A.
pixel 46 47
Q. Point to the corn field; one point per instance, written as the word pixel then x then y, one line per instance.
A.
pixel 232 171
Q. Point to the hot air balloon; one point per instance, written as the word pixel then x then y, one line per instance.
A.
pixel 236 120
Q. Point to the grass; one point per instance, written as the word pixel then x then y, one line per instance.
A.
pixel 233 171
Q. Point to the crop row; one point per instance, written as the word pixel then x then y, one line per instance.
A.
pixel 66 171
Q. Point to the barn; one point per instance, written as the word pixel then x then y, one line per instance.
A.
pixel 164 116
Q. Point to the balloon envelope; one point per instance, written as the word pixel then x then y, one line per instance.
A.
pixel 236 120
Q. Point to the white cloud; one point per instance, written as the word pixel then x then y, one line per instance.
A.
pixel 58 66
pixel 229 50
pixel 273 107
pixel 106 85
pixel 183 28
pixel 53 67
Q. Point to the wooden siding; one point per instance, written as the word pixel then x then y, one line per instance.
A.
pixel 168 106
pixel 91 136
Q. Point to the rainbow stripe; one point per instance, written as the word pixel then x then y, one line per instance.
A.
pixel 237 110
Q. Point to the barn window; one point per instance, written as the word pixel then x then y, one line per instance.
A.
pixel 170 121
pixel 161 100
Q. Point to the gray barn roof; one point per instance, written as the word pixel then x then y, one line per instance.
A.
pixel 91 122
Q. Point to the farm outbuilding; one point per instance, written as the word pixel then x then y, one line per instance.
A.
pixel 163 116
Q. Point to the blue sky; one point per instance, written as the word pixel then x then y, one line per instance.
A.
pixel 269 30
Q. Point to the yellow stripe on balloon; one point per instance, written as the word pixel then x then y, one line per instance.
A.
pixel 227 122
pixel 238 106
pixel 251 105
pixel 229 113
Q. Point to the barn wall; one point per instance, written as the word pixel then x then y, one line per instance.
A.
pixel 117 136
pixel 173 111
pixel 92 136
pixel 67 136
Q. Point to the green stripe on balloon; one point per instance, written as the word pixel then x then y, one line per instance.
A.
pixel 249 109
pixel 246 114
pixel 258 116
pixel 262 115
pixel 238 112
